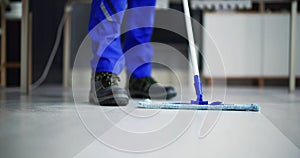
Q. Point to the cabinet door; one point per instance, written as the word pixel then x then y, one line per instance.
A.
pixel 276 45
pixel 238 38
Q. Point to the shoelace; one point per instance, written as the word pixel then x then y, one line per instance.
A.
pixel 110 78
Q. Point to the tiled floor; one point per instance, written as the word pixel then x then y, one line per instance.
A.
pixel 48 123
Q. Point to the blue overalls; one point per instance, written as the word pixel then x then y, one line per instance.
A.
pixel 105 33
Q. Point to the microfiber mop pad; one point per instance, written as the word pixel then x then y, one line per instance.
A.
pixel 148 104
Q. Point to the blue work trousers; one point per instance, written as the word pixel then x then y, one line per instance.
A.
pixel 110 55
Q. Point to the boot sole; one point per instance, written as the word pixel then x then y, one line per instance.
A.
pixel 112 100
pixel 135 94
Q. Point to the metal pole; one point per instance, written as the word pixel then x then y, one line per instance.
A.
pixel 3 45
pixel 293 21
pixel 66 54
pixel 24 48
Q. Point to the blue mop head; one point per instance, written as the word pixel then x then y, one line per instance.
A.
pixel 199 103
pixel 187 106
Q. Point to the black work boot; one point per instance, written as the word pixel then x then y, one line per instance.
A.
pixel 148 88
pixel 106 91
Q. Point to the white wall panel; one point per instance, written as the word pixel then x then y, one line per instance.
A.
pixel 238 38
pixel 251 45
pixel 276 45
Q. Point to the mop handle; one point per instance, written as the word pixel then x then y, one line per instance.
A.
pixel 190 36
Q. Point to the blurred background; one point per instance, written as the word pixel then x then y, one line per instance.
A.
pixel 253 38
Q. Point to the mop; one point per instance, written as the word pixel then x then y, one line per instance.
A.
pixel 199 103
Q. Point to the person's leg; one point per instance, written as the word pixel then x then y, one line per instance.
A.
pixel 104 30
pixel 138 60
pixel 138 51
